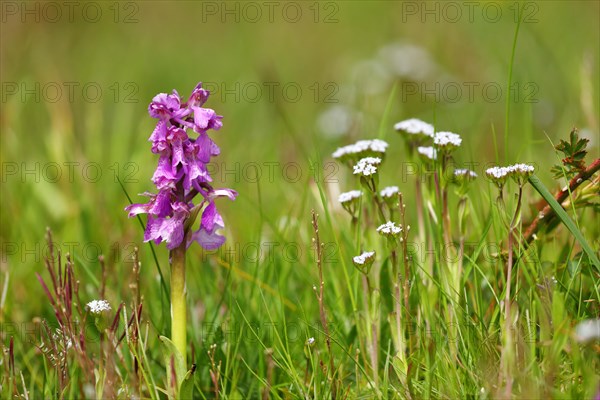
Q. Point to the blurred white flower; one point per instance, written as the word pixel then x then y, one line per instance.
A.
pixel 364 257
pixel 371 76
pixel 414 126
pixel 428 152
pixel 389 191
pixel 465 172
pixel 521 168
pixel 588 330
pixel 516 171
pixel 497 172
pixel 336 120
pixel 361 147
pixel 408 61
pixel 98 306
pixel 349 196
pixel 389 229
pixel 447 139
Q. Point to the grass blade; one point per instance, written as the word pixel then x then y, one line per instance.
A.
pixel 565 219
pixel 508 85
pixel 384 127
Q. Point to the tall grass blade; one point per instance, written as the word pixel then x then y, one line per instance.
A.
pixel 565 219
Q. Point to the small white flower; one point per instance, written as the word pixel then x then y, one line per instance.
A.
pixel 378 145
pixel 310 341
pixel 341 151
pixel 521 168
pixel 588 330
pixel 370 160
pixel 389 228
pixel 517 171
pixel 98 306
pixel 497 172
pixel 349 196
pixel 447 139
pixel 415 126
pixel 465 172
pixel 364 257
pixel 362 146
pixel 428 152
pixel 389 191
pixel 375 145
pixel 367 166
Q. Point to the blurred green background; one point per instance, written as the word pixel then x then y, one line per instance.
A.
pixel 293 81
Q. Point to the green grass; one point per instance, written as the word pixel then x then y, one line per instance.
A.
pixel 251 305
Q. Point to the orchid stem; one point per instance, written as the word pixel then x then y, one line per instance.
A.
pixel 178 303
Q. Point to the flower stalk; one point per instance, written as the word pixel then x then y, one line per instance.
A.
pixel 178 301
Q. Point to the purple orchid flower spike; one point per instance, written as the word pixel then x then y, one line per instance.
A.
pixel 182 173
pixel 180 176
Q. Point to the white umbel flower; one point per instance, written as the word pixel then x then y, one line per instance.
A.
pixel 588 330
pixel 349 196
pixel 389 229
pixel 427 151
pixel 521 168
pixel 465 173
pixel 447 139
pixel 340 152
pixel 98 306
pixel 519 172
pixel 414 126
pixel 363 258
pixel 367 166
pixel 497 172
pixel 360 147
pixel 389 191
pixel 378 146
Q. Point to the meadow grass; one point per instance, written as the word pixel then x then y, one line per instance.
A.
pixel 281 311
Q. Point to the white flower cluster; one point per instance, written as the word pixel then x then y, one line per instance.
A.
pixel 349 196
pixel 389 228
pixel 98 306
pixel 415 126
pixel 367 166
pixel 375 145
pixel 364 257
pixel 428 152
pixel 499 173
pixel 587 330
pixel 465 172
pixel 522 168
pixel 446 139
pixel 389 191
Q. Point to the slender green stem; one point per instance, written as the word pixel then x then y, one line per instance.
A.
pixel 508 353
pixel 379 207
pixel 178 304
pixel 508 85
